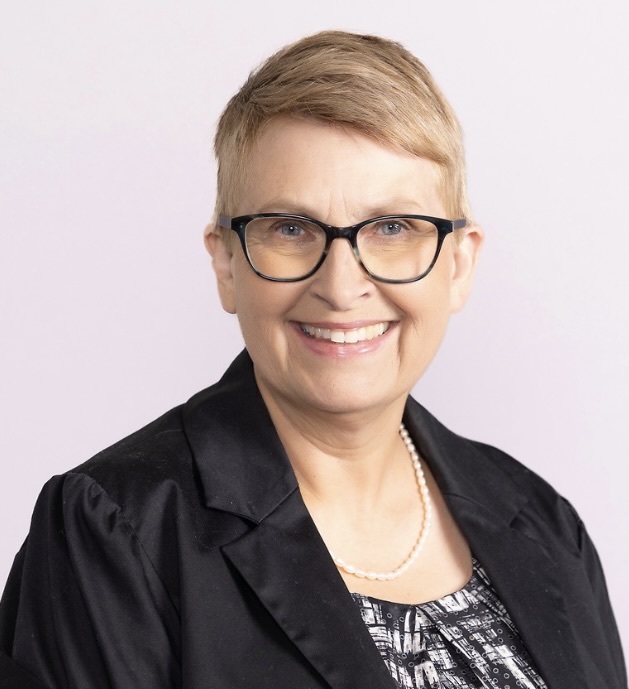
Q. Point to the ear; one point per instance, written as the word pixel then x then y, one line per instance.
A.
pixel 222 256
pixel 464 261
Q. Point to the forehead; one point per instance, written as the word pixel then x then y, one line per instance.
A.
pixel 334 174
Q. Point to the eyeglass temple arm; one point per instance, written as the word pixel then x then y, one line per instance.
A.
pixel 224 221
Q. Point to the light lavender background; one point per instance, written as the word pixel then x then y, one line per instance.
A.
pixel 108 310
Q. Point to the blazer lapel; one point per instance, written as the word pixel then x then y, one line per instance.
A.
pixel 288 567
pixel 485 501
pixel 526 581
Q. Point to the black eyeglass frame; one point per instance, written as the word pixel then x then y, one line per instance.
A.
pixel 239 226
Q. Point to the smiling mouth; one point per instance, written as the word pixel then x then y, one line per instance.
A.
pixel 366 333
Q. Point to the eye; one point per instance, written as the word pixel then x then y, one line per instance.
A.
pixel 290 229
pixel 391 228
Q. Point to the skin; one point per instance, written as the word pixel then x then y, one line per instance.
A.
pixel 337 407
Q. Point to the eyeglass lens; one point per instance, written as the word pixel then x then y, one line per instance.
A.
pixel 393 249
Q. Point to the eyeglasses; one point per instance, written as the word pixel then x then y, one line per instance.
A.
pixel 390 248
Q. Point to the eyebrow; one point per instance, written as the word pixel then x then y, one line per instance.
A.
pixel 394 206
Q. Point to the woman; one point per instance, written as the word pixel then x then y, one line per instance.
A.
pixel 304 520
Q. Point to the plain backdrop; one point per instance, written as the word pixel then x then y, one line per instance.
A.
pixel 109 314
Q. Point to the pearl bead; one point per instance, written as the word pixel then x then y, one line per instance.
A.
pixel 424 529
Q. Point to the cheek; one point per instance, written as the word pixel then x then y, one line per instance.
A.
pixel 254 313
pixel 248 290
pixel 261 306
pixel 426 311
pixel 257 331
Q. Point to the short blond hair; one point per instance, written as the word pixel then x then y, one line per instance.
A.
pixel 365 83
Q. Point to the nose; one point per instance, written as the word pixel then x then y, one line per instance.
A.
pixel 340 281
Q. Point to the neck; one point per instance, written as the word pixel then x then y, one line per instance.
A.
pixel 351 459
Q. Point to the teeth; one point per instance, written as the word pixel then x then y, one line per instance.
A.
pixel 369 332
pixel 337 336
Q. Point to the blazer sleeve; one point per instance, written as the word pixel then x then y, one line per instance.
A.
pixel 596 577
pixel 84 607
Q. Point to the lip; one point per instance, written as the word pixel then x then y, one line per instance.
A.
pixel 327 347
pixel 334 325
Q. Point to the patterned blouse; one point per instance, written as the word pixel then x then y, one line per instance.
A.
pixel 465 640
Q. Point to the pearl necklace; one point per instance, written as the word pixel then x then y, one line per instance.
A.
pixel 423 531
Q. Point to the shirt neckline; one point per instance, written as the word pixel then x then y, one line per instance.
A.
pixel 383 601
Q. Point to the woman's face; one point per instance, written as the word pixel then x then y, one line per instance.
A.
pixel 340 177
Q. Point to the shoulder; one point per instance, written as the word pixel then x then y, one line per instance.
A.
pixel 136 475
pixel 543 505
pixel 493 482
pixel 508 468
pixel 157 452
pixel 129 491
pixel 169 480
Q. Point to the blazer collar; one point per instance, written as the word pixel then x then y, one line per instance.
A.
pixel 244 469
pixel 461 469
pixel 241 461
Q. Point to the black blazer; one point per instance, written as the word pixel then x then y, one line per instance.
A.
pixel 184 556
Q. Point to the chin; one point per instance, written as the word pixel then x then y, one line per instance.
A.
pixel 344 399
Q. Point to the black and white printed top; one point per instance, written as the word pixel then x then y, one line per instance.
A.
pixel 465 640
